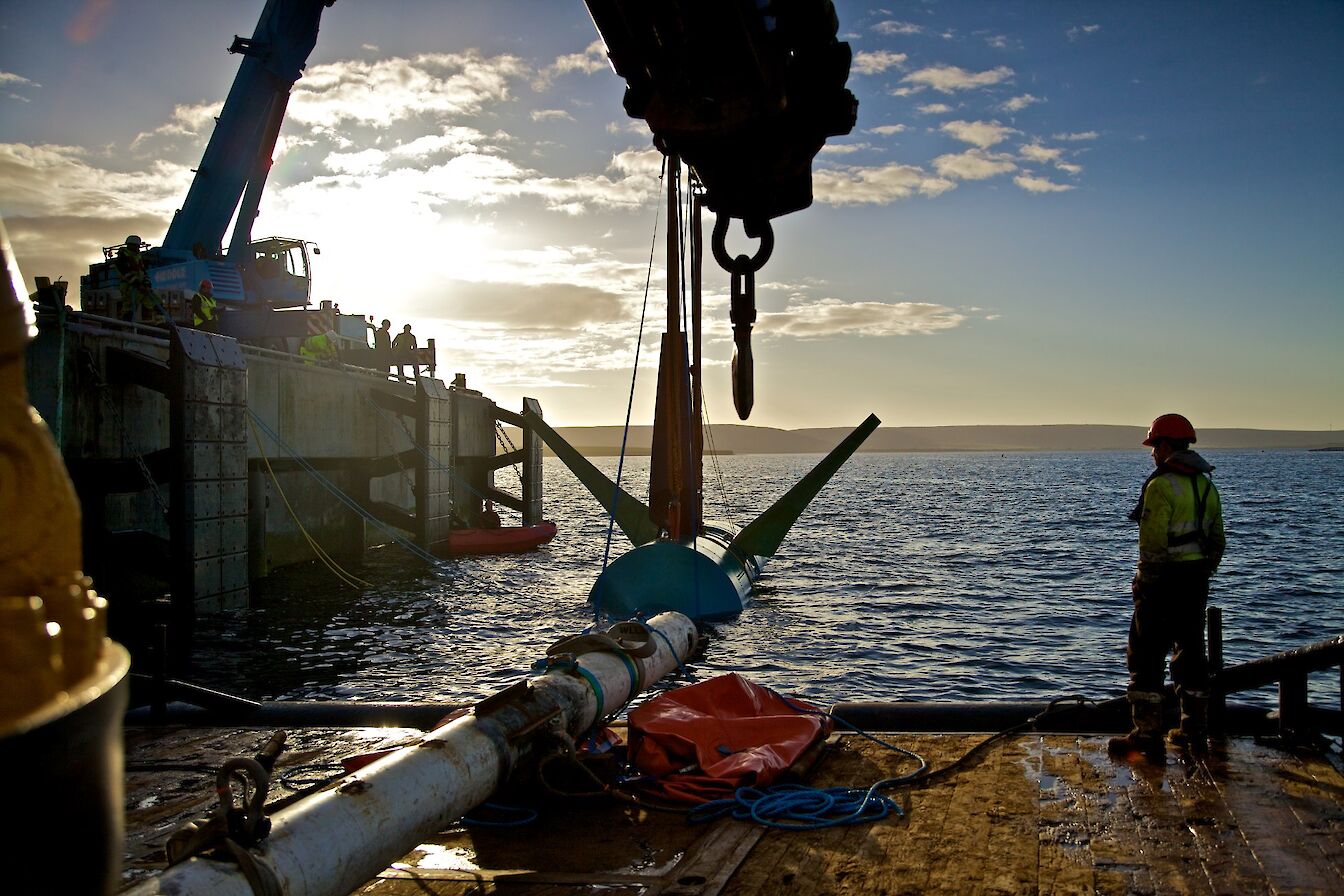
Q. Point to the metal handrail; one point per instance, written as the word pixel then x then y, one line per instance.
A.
pixel 1289 670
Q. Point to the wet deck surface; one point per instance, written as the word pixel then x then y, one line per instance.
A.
pixel 1035 814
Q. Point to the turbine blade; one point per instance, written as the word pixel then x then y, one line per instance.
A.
pixel 631 514
pixel 763 535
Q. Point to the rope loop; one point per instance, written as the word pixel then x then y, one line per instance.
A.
pixel 741 264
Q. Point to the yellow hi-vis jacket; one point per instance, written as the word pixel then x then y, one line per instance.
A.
pixel 317 348
pixel 1169 531
pixel 202 309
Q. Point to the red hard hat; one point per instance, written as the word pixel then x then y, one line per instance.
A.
pixel 206 284
pixel 1170 426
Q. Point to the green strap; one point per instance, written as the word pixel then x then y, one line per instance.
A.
pixel 597 690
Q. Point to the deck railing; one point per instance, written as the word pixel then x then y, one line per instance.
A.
pixel 1289 670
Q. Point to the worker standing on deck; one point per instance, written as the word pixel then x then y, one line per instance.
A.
pixel 135 287
pixel 404 348
pixel 320 348
pixel 1181 543
pixel 203 307
pixel 382 346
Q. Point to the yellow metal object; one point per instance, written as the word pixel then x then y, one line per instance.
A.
pixel 53 627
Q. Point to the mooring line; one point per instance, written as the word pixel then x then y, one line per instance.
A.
pixel 341 496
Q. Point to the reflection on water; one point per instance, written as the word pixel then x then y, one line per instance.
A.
pixel 949 576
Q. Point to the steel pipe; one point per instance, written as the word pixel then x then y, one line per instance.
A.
pixel 336 840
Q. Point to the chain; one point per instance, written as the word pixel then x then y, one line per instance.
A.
pixel 139 458
pixel 503 440
pixel 396 455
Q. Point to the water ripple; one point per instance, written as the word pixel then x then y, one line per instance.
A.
pixel 915 576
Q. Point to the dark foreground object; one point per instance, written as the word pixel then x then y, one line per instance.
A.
pixel 1034 813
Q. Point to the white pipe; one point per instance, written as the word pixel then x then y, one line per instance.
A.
pixel 336 840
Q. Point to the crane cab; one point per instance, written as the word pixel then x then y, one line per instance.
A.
pixel 278 274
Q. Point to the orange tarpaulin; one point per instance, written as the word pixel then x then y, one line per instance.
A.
pixel 706 740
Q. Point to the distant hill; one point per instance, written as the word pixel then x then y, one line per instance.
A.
pixel 596 441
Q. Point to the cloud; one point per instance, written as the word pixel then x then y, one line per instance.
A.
pixel 1033 184
pixel 632 126
pixel 887 130
pixel 9 78
pixel 638 162
pixel 63 246
pixel 456 140
pixel 951 78
pixel 368 161
pixel 934 109
pixel 828 317
pixel 1076 31
pixel 1035 152
pixel 49 180
pixel 1081 135
pixel 390 90
pixel 875 185
pixel 877 61
pixel 62 206
pixel 529 306
pixel 593 59
pixel 186 121
pixel 891 26
pixel 1018 103
pixel 974 164
pixel 1000 41
pixel 1069 167
pixel 983 134
pixel 844 149
pixel 551 115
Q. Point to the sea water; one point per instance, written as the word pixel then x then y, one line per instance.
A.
pixel 912 576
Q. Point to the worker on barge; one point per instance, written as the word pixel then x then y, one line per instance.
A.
pixel 136 291
pixel 1181 543
pixel 203 307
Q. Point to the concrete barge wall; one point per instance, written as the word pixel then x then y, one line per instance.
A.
pixel 200 462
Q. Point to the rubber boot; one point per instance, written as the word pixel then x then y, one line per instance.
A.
pixel 1192 734
pixel 1145 709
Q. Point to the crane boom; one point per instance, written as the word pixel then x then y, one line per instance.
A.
pixel 237 159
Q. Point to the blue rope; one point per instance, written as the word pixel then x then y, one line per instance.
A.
pixel 524 816
pixel 634 374
pixel 341 496
pixel 794 807
pixel 681 667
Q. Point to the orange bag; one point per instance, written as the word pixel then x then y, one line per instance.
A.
pixel 704 741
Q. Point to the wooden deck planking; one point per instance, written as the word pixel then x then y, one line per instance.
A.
pixel 1034 814
pixel 1292 828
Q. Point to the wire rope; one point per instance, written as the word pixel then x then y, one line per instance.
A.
pixel 634 375
pixel 349 579
pixel 341 496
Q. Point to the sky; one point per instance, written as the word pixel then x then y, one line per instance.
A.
pixel 1048 212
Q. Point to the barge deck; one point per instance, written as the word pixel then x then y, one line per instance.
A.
pixel 1041 813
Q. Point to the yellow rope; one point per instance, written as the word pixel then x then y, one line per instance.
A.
pixel 347 578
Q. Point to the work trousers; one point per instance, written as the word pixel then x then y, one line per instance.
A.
pixel 1169 608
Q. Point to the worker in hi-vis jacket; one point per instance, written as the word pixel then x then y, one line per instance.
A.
pixel 1181 543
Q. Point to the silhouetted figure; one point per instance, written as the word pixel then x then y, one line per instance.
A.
pixel 404 348
pixel 382 346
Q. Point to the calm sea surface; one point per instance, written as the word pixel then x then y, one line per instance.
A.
pixel 934 576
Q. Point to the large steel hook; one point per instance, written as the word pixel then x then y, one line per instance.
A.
pixel 742 307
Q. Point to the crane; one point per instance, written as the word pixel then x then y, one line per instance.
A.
pixel 270 273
